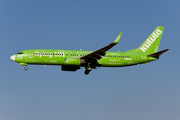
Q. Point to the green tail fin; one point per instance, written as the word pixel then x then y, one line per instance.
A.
pixel 151 45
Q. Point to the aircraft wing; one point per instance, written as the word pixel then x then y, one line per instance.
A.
pixel 98 54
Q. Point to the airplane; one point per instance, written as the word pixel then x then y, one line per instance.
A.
pixel 72 60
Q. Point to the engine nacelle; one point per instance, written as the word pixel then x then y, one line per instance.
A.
pixel 69 68
pixel 73 61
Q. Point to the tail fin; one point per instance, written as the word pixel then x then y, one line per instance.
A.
pixel 151 45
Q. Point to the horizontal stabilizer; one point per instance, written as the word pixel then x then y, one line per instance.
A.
pixel 157 53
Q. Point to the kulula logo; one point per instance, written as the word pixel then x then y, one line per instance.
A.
pixel 151 40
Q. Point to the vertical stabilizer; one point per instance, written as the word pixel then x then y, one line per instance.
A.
pixel 151 45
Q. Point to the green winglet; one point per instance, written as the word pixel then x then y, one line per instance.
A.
pixel 116 41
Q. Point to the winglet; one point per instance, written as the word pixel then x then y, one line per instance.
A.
pixel 116 41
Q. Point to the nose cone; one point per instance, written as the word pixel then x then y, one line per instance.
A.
pixel 12 57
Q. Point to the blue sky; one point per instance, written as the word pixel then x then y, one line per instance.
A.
pixel 149 91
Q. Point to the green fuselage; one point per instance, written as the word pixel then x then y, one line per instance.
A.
pixel 58 57
pixel 72 60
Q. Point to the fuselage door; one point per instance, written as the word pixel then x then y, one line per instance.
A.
pixel 31 54
pixel 137 58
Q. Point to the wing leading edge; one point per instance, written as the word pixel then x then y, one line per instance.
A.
pixel 98 54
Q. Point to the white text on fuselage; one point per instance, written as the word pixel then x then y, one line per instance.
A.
pixel 150 40
pixel 50 55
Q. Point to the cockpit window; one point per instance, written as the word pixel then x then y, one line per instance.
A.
pixel 20 53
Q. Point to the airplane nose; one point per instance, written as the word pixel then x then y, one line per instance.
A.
pixel 12 57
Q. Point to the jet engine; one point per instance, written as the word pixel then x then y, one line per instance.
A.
pixel 69 68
